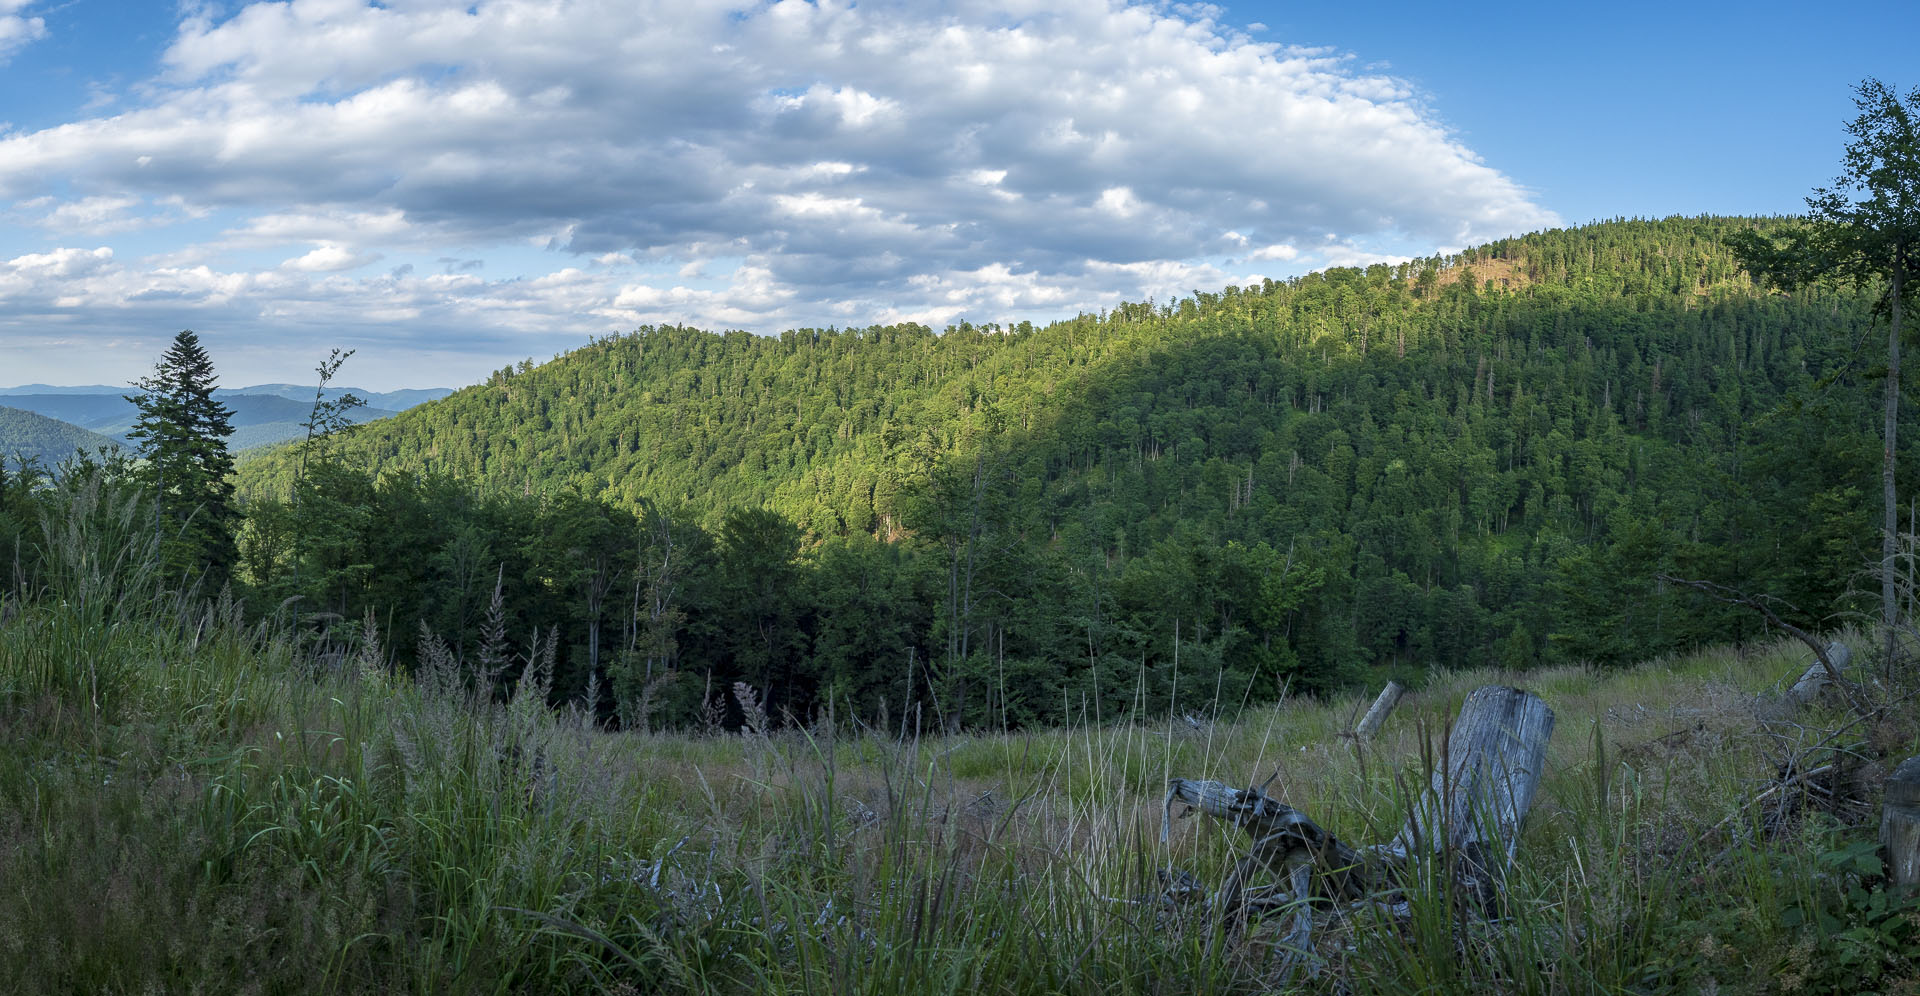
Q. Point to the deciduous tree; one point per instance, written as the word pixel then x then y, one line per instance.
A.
pixel 1864 230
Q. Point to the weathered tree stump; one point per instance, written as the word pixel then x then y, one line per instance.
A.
pixel 1821 674
pixel 1382 708
pixel 1481 791
pixel 1470 811
pixel 1900 825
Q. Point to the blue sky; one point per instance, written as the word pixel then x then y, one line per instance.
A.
pixel 1636 108
pixel 447 186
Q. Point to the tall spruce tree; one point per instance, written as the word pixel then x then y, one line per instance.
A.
pixel 182 436
pixel 1864 230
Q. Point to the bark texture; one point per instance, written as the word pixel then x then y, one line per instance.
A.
pixel 1819 676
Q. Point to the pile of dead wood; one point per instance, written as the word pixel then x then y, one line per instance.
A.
pixel 1464 826
pixel 1466 821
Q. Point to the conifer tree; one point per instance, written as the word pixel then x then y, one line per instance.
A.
pixel 181 435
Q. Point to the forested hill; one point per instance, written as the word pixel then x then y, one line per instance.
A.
pixel 1481 458
pixel 32 436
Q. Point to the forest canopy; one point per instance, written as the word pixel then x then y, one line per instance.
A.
pixel 1475 460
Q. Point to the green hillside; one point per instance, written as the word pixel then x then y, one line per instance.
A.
pixel 1480 460
pixel 27 435
pixel 269 804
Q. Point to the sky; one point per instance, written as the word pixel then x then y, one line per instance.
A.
pixel 450 187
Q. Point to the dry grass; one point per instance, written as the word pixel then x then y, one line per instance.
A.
pixel 216 817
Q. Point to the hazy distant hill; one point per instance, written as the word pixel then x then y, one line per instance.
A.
pixel 394 401
pixel 25 434
pixel 390 400
pixel 268 413
pixel 89 411
pixel 257 434
pixel 54 389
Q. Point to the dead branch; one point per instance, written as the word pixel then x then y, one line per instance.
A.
pixel 1382 708
pixel 1761 604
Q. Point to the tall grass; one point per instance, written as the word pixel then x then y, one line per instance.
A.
pixel 189 804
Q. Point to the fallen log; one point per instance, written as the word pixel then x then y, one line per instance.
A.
pixel 1821 674
pixel 1284 840
pixel 1383 706
pixel 1468 815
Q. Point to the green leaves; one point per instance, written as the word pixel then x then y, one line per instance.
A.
pixel 1859 933
pixel 1864 230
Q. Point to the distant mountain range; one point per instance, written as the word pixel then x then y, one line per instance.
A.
pixel 92 415
pixel 400 400
pixel 393 401
pixel 55 389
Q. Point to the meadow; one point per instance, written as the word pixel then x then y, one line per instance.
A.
pixel 192 803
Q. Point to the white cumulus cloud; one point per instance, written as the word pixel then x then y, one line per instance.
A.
pixel 762 164
pixel 329 259
pixel 17 29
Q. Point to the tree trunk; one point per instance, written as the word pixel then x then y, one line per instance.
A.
pixel 1382 707
pixel 1892 511
pixel 1900 825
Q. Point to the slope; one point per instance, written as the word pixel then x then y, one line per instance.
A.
pixel 31 436
pixel 389 400
pixel 1483 459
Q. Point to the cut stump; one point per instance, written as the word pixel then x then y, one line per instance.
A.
pixel 1481 791
pixel 1900 824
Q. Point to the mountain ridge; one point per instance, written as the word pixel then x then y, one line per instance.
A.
pixel 264 414
pixel 394 400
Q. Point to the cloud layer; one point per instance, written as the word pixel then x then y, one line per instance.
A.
pixel 733 165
